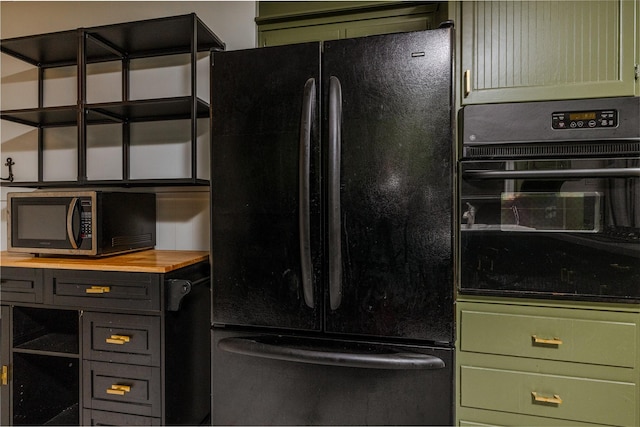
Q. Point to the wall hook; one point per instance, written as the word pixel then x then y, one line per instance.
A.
pixel 9 163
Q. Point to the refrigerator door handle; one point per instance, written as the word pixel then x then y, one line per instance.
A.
pixel 304 172
pixel 391 360
pixel 334 235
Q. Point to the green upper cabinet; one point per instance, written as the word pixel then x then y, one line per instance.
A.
pixel 304 21
pixel 548 49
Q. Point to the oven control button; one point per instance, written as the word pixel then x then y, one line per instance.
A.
pixel 592 123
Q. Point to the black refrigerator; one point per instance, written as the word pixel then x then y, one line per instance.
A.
pixel 332 232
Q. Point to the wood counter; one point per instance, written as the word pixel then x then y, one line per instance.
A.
pixel 149 261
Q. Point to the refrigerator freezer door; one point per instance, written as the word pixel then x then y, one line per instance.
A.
pixel 390 99
pixel 265 187
pixel 263 386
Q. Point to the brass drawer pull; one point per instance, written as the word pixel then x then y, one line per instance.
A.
pixel 546 341
pixel 118 339
pixel 555 400
pixel 98 290
pixel 119 389
pixel 4 378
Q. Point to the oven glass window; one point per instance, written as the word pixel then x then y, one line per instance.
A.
pixel 561 229
pixel 551 212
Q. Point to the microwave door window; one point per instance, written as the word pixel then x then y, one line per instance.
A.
pixel 42 222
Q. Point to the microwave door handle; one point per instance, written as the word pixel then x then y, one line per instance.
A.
pixel 553 173
pixel 70 214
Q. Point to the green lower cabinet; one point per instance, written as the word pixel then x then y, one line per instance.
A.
pixel 549 396
pixel 542 363
pixel 482 418
pixel 554 335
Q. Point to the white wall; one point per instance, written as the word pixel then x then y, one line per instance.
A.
pixel 183 213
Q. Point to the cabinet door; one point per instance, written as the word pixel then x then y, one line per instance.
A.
pixel 298 22
pixel 5 343
pixel 358 28
pixel 548 49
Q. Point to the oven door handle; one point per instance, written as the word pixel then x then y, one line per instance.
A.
pixel 323 356
pixel 552 173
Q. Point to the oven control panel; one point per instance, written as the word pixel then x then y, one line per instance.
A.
pixel 585 119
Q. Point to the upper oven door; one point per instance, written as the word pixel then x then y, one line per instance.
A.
pixel 555 228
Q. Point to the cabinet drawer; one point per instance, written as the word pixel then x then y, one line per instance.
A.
pixel 552 396
pixel 102 418
pixel 610 342
pixel 140 291
pixel 122 338
pixel 469 417
pixel 21 285
pixel 122 388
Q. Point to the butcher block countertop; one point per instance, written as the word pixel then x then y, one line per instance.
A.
pixel 148 261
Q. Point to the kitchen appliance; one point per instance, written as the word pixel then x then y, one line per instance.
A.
pixel 332 226
pixel 91 223
pixel 550 199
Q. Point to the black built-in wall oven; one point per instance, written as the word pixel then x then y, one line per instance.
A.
pixel 550 199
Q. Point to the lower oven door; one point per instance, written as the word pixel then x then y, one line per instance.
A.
pixel 263 379
pixel 551 228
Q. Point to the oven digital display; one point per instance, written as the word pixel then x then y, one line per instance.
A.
pixel 584 119
pixel 582 116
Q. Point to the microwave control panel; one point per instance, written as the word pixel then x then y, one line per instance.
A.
pixel 584 119
pixel 85 219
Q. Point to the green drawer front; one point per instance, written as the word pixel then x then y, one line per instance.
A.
pixel 585 341
pixel 478 417
pixel 582 399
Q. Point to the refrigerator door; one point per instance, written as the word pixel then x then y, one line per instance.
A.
pixel 277 380
pixel 265 187
pixel 389 185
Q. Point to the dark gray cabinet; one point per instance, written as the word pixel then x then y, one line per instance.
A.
pixel 4 364
pixel 84 347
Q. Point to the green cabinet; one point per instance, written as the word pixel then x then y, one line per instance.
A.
pixel 296 22
pixel 547 49
pixel 527 362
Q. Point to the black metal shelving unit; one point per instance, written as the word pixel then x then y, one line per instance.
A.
pixel 184 34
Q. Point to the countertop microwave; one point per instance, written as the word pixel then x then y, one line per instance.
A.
pixel 89 223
